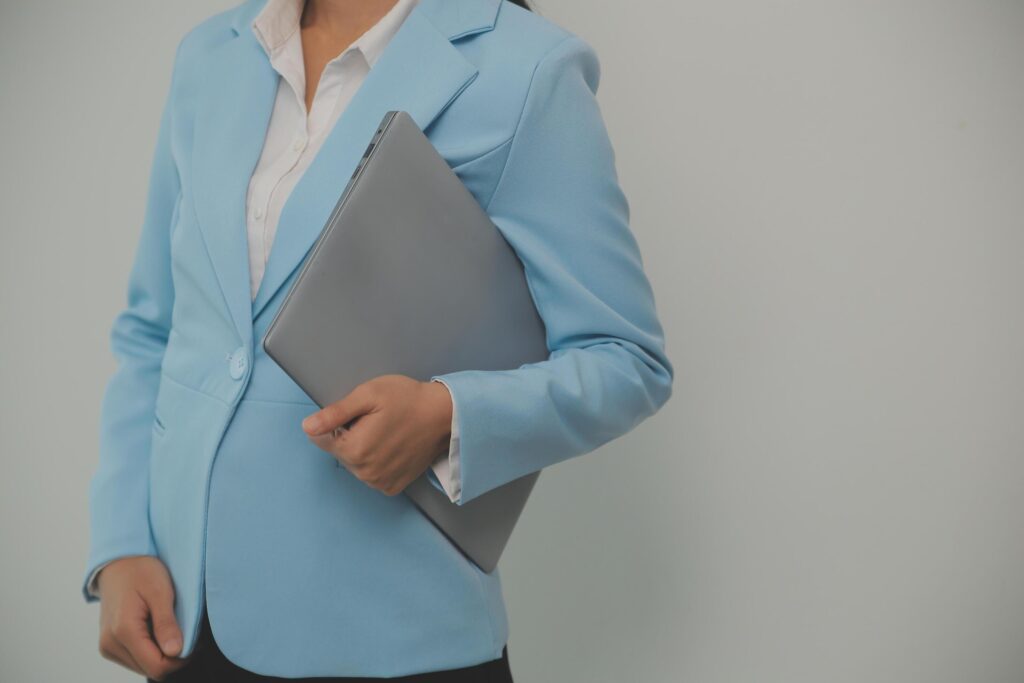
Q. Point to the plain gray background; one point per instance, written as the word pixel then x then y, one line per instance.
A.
pixel 828 197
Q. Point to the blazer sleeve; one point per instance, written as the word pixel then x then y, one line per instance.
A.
pixel 559 204
pixel 119 490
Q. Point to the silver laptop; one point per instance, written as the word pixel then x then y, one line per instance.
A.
pixel 409 276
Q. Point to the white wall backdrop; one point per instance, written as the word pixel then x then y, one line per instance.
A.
pixel 828 197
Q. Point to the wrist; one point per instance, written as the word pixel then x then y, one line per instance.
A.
pixel 441 408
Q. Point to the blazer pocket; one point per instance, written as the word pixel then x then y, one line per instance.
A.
pixel 158 425
pixel 481 172
pixel 458 161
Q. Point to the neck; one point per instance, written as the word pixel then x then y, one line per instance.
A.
pixel 344 17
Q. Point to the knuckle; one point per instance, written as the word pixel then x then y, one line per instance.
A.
pixel 330 416
pixel 119 630
pixel 163 624
pixel 158 592
pixel 357 455
pixel 161 587
pixel 107 646
pixel 338 454
pixel 160 671
pixel 150 669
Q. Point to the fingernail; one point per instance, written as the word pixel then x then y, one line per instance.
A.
pixel 171 646
pixel 309 424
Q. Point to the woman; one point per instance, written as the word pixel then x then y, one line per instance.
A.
pixel 227 543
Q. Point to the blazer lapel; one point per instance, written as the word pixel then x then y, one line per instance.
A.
pixel 233 110
pixel 420 72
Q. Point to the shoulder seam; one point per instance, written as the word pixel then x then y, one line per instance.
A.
pixel 519 119
pixel 172 95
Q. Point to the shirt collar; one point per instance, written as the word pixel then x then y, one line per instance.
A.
pixel 280 19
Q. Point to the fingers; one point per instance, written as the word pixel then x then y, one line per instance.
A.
pixel 365 444
pixel 113 650
pixel 368 452
pixel 127 639
pixel 165 626
pixel 363 451
pixel 134 635
pixel 137 612
pixel 347 445
pixel 395 428
pixel 358 402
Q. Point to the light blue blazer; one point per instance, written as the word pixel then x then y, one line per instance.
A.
pixel 305 570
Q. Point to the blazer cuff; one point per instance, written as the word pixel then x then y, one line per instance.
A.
pixel 92 587
pixel 446 467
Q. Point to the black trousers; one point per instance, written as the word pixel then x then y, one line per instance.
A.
pixel 209 665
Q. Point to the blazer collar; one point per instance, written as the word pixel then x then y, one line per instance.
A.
pixel 420 72
pixel 452 18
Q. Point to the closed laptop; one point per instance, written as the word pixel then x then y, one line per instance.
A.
pixel 410 276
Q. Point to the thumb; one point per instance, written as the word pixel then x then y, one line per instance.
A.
pixel 165 626
pixel 358 402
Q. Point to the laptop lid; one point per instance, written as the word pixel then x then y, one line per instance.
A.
pixel 410 276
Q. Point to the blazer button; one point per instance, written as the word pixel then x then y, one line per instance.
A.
pixel 237 363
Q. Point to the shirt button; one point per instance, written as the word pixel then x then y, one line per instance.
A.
pixel 238 362
pixel 258 213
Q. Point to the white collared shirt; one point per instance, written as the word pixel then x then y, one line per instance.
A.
pixel 294 136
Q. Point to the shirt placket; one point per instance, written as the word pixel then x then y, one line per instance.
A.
pixel 288 63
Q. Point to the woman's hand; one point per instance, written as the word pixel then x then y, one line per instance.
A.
pixel 386 431
pixel 137 625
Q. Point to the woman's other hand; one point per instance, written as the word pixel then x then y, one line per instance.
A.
pixel 387 431
pixel 137 625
